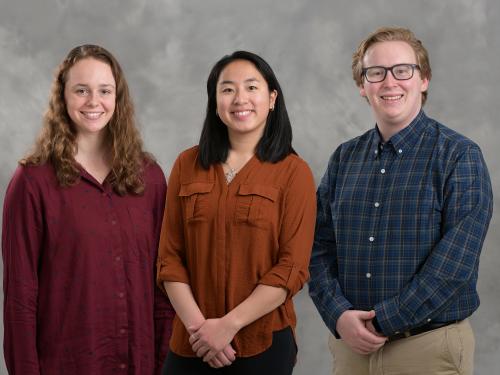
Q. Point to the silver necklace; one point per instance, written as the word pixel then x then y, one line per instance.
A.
pixel 230 174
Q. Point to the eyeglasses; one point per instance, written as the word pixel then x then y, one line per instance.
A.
pixel 401 72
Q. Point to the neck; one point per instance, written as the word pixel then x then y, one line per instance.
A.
pixel 243 145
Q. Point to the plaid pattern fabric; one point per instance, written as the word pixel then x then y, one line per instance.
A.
pixel 400 227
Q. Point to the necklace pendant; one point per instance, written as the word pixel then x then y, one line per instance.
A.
pixel 230 174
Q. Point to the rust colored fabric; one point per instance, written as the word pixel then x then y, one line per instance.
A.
pixel 225 239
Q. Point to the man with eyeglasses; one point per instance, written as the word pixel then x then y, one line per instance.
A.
pixel 403 211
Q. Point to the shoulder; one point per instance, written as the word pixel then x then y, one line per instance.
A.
pixel 451 144
pixel 31 180
pixel 153 172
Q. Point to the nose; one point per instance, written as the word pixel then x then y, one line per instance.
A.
pixel 389 79
pixel 92 99
pixel 240 97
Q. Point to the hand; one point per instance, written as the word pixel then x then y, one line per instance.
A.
pixel 352 329
pixel 224 358
pixel 370 327
pixel 211 337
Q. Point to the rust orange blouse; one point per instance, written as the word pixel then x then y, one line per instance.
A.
pixel 223 240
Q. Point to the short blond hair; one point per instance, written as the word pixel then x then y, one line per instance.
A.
pixel 391 34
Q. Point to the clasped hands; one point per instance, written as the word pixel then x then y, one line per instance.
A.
pixel 211 340
pixel 355 327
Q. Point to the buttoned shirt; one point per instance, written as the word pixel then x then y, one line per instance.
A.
pixel 225 239
pixel 79 276
pixel 400 227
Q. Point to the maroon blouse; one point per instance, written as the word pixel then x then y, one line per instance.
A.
pixel 79 272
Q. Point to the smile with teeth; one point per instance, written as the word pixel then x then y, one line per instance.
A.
pixel 242 114
pixel 391 98
pixel 92 115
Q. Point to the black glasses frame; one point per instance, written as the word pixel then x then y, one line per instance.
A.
pixel 413 67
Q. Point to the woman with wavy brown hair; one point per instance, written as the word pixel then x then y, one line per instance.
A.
pixel 81 223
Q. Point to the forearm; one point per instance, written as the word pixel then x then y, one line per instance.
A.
pixel 260 302
pixel 182 299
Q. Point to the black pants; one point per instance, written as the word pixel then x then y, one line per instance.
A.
pixel 279 359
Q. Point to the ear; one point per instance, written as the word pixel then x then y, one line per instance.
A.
pixel 362 91
pixel 425 85
pixel 272 98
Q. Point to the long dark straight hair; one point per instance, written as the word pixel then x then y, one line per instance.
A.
pixel 276 141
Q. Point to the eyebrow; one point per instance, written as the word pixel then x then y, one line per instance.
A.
pixel 232 82
pixel 100 86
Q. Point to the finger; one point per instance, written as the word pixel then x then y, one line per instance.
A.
pixel 214 362
pixel 202 351
pixel 193 338
pixel 229 353
pixel 209 355
pixel 221 356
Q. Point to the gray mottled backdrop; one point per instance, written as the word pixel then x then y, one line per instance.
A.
pixel 167 47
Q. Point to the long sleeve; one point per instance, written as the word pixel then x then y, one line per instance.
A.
pixel 453 262
pixel 163 310
pixel 22 236
pixel 324 287
pixel 296 235
pixel 171 253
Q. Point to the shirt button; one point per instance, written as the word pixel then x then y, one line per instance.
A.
pixel 121 294
pixel 122 331
pixel 382 171
pixel 122 365
pixel 376 152
pixel 118 259
pixel 376 204
pixel 428 320
pixel 371 239
pixel 400 151
pixel 368 275
pixel 396 333
pixel 113 222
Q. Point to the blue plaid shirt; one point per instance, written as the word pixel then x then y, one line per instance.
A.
pixel 400 227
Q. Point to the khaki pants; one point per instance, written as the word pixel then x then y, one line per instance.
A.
pixel 444 351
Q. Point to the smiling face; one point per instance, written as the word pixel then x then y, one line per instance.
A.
pixel 243 99
pixel 394 103
pixel 90 95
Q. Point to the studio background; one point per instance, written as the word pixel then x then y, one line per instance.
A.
pixel 167 47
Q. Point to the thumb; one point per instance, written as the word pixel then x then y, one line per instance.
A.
pixel 367 315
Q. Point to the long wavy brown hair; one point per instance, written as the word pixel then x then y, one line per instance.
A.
pixel 57 145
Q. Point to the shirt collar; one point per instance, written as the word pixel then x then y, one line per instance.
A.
pixel 405 140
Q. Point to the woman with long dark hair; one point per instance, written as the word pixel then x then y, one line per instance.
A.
pixel 237 230
pixel 81 224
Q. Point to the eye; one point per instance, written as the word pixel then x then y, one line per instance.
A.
pixel 253 88
pixel 227 90
pixel 81 91
pixel 106 92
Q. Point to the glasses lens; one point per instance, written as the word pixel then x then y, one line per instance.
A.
pixel 375 74
pixel 403 71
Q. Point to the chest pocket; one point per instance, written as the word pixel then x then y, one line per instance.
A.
pixel 195 202
pixel 257 205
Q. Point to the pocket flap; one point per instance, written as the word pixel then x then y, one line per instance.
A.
pixel 194 188
pixel 269 192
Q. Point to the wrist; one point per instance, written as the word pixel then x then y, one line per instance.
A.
pixel 232 322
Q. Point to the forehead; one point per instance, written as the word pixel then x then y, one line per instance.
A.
pixel 90 70
pixel 240 71
pixel 389 53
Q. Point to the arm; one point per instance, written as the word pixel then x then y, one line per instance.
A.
pixel 453 262
pixel 162 310
pixel 21 247
pixel 172 276
pixel 284 279
pixel 324 288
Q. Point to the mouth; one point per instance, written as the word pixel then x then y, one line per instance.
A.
pixel 92 115
pixel 241 114
pixel 391 98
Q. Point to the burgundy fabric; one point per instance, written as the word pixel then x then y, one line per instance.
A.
pixel 79 272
